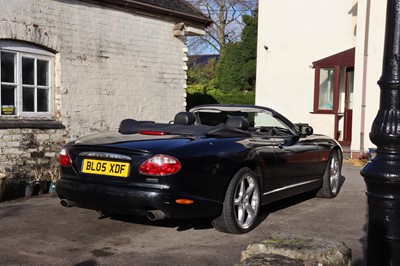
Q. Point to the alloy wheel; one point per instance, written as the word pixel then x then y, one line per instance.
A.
pixel 246 201
pixel 334 174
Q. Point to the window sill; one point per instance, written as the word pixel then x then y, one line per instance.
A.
pixel 26 123
pixel 325 112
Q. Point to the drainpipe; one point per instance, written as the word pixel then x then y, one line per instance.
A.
pixel 382 173
pixel 364 80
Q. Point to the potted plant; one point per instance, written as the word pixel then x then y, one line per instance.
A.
pixel 30 188
pixel 3 178
pixel 54 176
pixel 37 184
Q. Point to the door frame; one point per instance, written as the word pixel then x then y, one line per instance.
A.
pixel 337 62
pixel 348 112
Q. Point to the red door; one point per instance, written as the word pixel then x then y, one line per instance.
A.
pixel 348 107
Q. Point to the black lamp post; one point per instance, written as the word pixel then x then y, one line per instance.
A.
pixel 382 174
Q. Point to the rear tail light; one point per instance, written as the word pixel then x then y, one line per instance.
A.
pixel 160 165
pixel 154 133
pixel 64 159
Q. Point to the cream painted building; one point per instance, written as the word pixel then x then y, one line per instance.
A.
pixel 318 62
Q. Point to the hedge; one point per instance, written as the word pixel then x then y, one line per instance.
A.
pixel 198 94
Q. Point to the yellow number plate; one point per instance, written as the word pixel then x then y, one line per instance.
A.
pixel 100 167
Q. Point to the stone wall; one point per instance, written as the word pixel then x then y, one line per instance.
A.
pixel 108 65
pixel 25 153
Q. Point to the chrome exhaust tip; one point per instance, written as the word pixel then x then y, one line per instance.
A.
pixel 155 215
pixel 66 203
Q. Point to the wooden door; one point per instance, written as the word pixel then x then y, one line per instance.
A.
pixel 348 106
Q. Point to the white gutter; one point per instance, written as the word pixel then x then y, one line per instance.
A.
pixel 364 79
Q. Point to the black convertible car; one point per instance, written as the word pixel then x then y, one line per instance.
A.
pixel 218 161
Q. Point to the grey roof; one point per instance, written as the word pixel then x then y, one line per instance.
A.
pixel 177 10
pixel 177 5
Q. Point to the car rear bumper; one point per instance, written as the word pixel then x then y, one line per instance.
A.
pixel 134 199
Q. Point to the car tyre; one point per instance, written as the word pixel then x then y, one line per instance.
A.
pixel 331 179
pixel 241 204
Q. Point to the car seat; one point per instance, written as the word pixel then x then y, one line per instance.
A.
pixel 238 122
pixel 184 118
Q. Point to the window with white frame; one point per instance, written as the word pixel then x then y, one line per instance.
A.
pixel 25 80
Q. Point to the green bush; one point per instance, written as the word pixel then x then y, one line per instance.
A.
pixel 199 94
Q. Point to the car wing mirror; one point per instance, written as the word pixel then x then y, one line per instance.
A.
pixel 305 130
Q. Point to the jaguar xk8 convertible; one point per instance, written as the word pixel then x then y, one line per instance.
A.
pixel 217 161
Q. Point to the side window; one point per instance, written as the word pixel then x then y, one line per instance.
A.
pixel 25 81
pixel 35 85
pixel 266 123
pixel 325 96
pixel 267 120
pixel 8 80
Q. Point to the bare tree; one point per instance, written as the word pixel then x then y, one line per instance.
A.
pixel 227 23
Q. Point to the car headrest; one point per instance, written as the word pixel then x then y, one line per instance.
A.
pixel 184 118
pixel 238 122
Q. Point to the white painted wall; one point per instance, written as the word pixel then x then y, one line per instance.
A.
pixel 300 32
pixel 369 55
pixel 322 124
pixel 110 64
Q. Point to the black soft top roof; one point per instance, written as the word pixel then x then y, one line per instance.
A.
pixel 131 126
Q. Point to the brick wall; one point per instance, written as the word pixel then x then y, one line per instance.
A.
pixel 109 65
